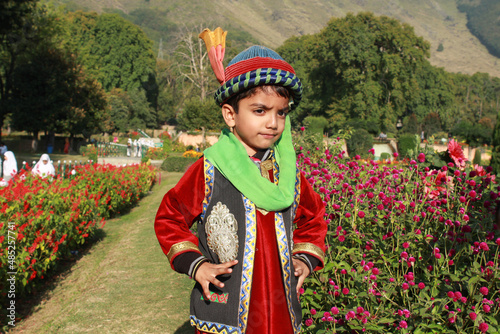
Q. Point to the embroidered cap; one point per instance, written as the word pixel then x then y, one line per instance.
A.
pixel 255 66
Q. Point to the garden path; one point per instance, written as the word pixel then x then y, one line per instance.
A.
pixel 123 283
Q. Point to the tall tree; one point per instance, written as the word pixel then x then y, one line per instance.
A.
pixel 17 32
pixel 365 66
pixel 115 51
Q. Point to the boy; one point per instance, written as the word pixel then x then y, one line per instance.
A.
pixel 260 225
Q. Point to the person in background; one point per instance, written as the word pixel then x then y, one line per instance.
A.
pixel 3 148
pixel 66 145
pixel 135 153
pixel 44 167
pixel 9 166
pixel 129 146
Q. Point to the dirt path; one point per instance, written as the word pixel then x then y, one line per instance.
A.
pixel 123 284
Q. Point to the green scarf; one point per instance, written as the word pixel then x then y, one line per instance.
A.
pixel 230 157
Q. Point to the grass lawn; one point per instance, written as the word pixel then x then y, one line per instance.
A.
pixel 123 284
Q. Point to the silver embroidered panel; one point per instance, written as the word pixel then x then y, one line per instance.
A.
pixel 221 229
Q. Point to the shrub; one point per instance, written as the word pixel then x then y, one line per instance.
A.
pixel 359 143
pixel 192 154
pixel 385 156
pixel 477 157
pixel 155 153
pixel 409 249
pixel 177 164
pixel 407 145
pixel 89 151
pixel 48 219
pixel 315 125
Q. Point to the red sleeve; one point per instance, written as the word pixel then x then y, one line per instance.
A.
pixel 311 227
pixel 180 208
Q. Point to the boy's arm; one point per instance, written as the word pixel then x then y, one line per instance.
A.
pixel 179 209
pixel 310 232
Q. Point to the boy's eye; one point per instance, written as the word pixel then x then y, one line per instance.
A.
pixel 259 111
pixel 282 113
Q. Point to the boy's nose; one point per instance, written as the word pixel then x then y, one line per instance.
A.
pixel 272 121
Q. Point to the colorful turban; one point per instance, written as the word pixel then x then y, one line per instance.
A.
pixel 252 67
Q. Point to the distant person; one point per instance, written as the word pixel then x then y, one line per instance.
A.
pixel 44 167
pixel 3 148
pixel 129 146
pixel 9 166
pixel 66 146
pixel 135 153
pixel 422 136
pixel 382 135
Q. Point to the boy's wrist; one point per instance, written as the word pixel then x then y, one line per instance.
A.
pixel 310 261
pixel 184 263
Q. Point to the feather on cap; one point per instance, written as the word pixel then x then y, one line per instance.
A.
pixel 215 41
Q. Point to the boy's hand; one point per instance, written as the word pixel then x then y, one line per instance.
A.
pixel 207 273
pixel 302 271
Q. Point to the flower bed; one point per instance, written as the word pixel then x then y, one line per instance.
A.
pixel 46 220
pixel 411 249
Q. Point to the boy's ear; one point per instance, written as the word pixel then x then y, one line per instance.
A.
pixel 229 114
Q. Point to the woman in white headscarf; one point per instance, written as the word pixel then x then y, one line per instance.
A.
pixel 44 167
pixel 9 166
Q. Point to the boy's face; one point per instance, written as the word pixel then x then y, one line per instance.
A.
pixel 260 119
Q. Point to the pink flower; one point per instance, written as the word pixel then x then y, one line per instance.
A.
pixel 361 214
pixel 345 291
pixel 484 290
pixel 473 316
pixel 313 311
pixel 403 324
pixel 335 310
pixel 350 315
pixel 395 154
pixel 421 286
pixel 372 151
pixel 302 128
pixel 483 327
pixel 486 308
pixel 456 153
pixel 309 322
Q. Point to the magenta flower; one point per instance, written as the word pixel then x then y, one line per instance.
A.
pixel 361 214
pixel 484 290
pixel 335 310
pixel 473 316
pixel 403 324
pixel 345 291
pixel 309 322
pixel 421 286
pixel 483 327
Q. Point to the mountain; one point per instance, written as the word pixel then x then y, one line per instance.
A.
pixel 270 22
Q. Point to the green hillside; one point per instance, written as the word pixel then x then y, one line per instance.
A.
pixel 271 22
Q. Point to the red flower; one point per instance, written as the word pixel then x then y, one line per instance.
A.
pixel 456 153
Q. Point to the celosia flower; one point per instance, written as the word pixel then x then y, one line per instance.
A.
pixel 456 153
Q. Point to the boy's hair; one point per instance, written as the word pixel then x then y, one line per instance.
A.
pixel 234 101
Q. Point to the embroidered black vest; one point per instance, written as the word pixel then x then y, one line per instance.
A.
pixel 227 231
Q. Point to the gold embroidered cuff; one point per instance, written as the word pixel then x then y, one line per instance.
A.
pixel 312 249
pixel 181 247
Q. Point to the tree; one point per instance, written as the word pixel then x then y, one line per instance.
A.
pixel 200 115
pixel 192 59
pixel 365 66
pixel 17 32
pixel 114 51
pixel 495 154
